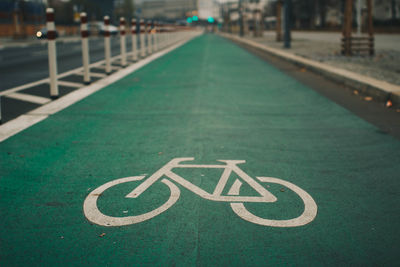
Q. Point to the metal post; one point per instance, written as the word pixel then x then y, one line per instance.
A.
pixel 155 36
pixel 255 23
pixel 348 18
pixel 260 24
pixel 279 21
pixel 85 48
pixel 160 34
pixel 358 17
pixel 142 39
pixel 370 29
pixel 148 32
pixel 122 41
pixel 287 39
pixel 168 37
pixel 134 40
pixel 107 44
pixel 241 30
pixel 51 40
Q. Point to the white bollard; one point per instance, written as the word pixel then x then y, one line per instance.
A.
pixel 107 44
pixel 155 36
pixel 85 48
pixel 168 36
pixel 142 39
pixel 160 36
pixel 122 41
pixel 134 40
pixel 51 40
pixel 149 45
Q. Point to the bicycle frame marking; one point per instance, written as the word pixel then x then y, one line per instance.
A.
pixel 231 166
pixel 94 215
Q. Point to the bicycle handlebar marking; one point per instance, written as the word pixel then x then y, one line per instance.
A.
pixel 93 214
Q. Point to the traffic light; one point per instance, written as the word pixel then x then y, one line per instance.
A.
pixel 210 20
pixel 195 18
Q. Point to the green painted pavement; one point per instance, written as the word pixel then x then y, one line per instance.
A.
pixel 210 100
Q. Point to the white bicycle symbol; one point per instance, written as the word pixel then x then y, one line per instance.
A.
pixel 93 214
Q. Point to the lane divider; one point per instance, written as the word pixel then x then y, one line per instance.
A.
pixel 149 38
pixel 122 41
pixel 134 40
pixel 152 38
pixel 37 115
pixel 51 38
pixel 60 76
pixel 85 48
pixel 107 44
pixel 142 28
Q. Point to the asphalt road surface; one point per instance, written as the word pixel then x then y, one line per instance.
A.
pixel 21 65
pixel 305 182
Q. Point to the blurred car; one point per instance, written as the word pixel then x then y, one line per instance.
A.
pixel 98 27
pixel 42 34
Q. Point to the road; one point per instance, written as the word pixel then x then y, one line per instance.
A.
pixel 63 202
pixel 21 65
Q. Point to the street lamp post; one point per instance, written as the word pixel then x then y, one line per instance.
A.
pixel 288 7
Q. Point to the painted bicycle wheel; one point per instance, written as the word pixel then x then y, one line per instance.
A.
pixel 94 215
pixel 308 215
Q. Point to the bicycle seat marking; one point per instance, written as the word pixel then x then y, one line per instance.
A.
pixel 94 215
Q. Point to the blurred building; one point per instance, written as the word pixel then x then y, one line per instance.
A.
pixel 209 8
pixel 386 10
pixel 166 9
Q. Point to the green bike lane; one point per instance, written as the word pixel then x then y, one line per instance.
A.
pixel 210 100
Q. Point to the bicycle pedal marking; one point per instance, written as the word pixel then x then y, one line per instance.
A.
pixel 94 215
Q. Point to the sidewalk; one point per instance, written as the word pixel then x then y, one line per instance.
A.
pixel 210 100
pixel 325 48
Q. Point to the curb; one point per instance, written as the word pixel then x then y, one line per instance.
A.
pixel 380 90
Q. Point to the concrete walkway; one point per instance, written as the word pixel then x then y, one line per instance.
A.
pixel 324 47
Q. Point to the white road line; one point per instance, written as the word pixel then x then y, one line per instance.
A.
pixel 29 98
pixel 94 74
pixel 23 87
pixel 25 121
pixel 17 125
pixel 65 74
pixel 70 84
pixel 112 67
pixel 46 80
